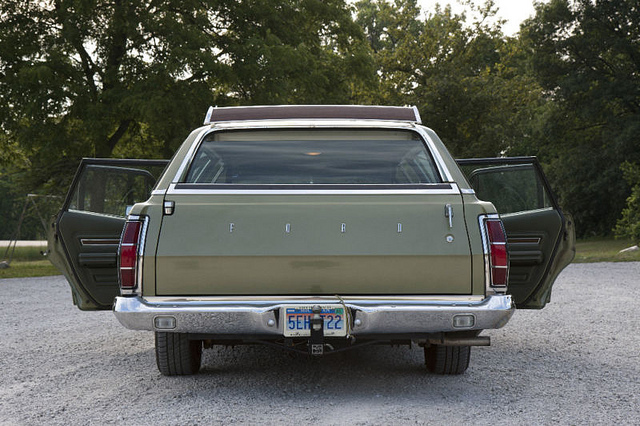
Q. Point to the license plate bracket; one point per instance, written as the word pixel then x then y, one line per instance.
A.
pixel 297 320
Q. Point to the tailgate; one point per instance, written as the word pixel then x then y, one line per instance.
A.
pixel 314 243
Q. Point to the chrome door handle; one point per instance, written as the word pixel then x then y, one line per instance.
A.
pixel 448 212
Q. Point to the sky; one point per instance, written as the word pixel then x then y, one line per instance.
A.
pixel 514 11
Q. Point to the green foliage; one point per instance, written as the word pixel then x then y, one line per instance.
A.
pixel 10 205
pixel 98 78
pixel 102 78
pixel 131 79
pixel 586 56
pixel 464 77
pixel 629 224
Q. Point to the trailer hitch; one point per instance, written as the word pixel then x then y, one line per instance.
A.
pixel 316 341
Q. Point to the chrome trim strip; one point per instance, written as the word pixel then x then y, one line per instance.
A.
pixel 312 123
pixel 102 215
pixel 175 191
pixel 445 174
pixel 139 255
pixel 188 156
pixel 312 186
pixel 487 255
pixel 486 250
pixel 276 300
pixel 417 113
pixel 544 209
pixel 524 241
pixel 376 316
pixel 207 117
pixel 99 241
pixel 141 246
pixel 467 191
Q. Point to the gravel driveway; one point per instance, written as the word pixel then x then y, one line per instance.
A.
pixel 575 362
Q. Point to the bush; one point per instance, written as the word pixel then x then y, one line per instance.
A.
pixel 628 225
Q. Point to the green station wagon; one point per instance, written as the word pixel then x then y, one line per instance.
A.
pixel 315 229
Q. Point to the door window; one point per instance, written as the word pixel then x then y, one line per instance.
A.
pixel 112 190
pixel 511 188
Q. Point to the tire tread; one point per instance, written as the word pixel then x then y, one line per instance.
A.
pixel 447 360
pixel 176 355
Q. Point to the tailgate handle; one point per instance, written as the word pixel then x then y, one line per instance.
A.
pixel 448 212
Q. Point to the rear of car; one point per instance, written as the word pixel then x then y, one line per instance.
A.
pixel 266 224
pixel 316 229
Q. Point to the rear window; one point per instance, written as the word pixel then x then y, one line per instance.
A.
pixel 313 157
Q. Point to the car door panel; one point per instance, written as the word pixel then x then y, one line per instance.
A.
pixel 83 240
pixel 540 237
pixel 530 252
pixel 94 262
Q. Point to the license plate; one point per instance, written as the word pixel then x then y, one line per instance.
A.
pixel 297 320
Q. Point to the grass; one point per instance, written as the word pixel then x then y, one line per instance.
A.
pixel 605 250
pixel 29 262
pixel 29 268
pixel 24 253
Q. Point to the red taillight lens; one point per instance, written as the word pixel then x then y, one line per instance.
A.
pixel 128 256
pixel 128 260
pixel 499 258
pixel 131 232
pixel 127 278
pixel 498 255
pixel 499 276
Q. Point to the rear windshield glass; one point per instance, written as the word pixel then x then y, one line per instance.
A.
pixel 313 156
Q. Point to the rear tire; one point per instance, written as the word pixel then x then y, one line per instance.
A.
pixel 176 355
pixel 447 360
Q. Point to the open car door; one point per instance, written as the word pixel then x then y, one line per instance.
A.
pixel 540 237
pixel 83 240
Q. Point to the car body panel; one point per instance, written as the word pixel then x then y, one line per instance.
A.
pixel 313 244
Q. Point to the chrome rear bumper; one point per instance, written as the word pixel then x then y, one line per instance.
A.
pixel 411 315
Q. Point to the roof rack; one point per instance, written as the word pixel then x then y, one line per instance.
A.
pixel 275 112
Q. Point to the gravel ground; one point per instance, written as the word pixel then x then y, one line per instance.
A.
pixel 575 362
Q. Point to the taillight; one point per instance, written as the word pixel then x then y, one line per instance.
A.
pixel 498 255
pixel 128 253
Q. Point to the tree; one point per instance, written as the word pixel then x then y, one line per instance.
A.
pixel 117 78
pixel 586 56
pixel 465 77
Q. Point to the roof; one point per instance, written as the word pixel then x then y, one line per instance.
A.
pixel 349 112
